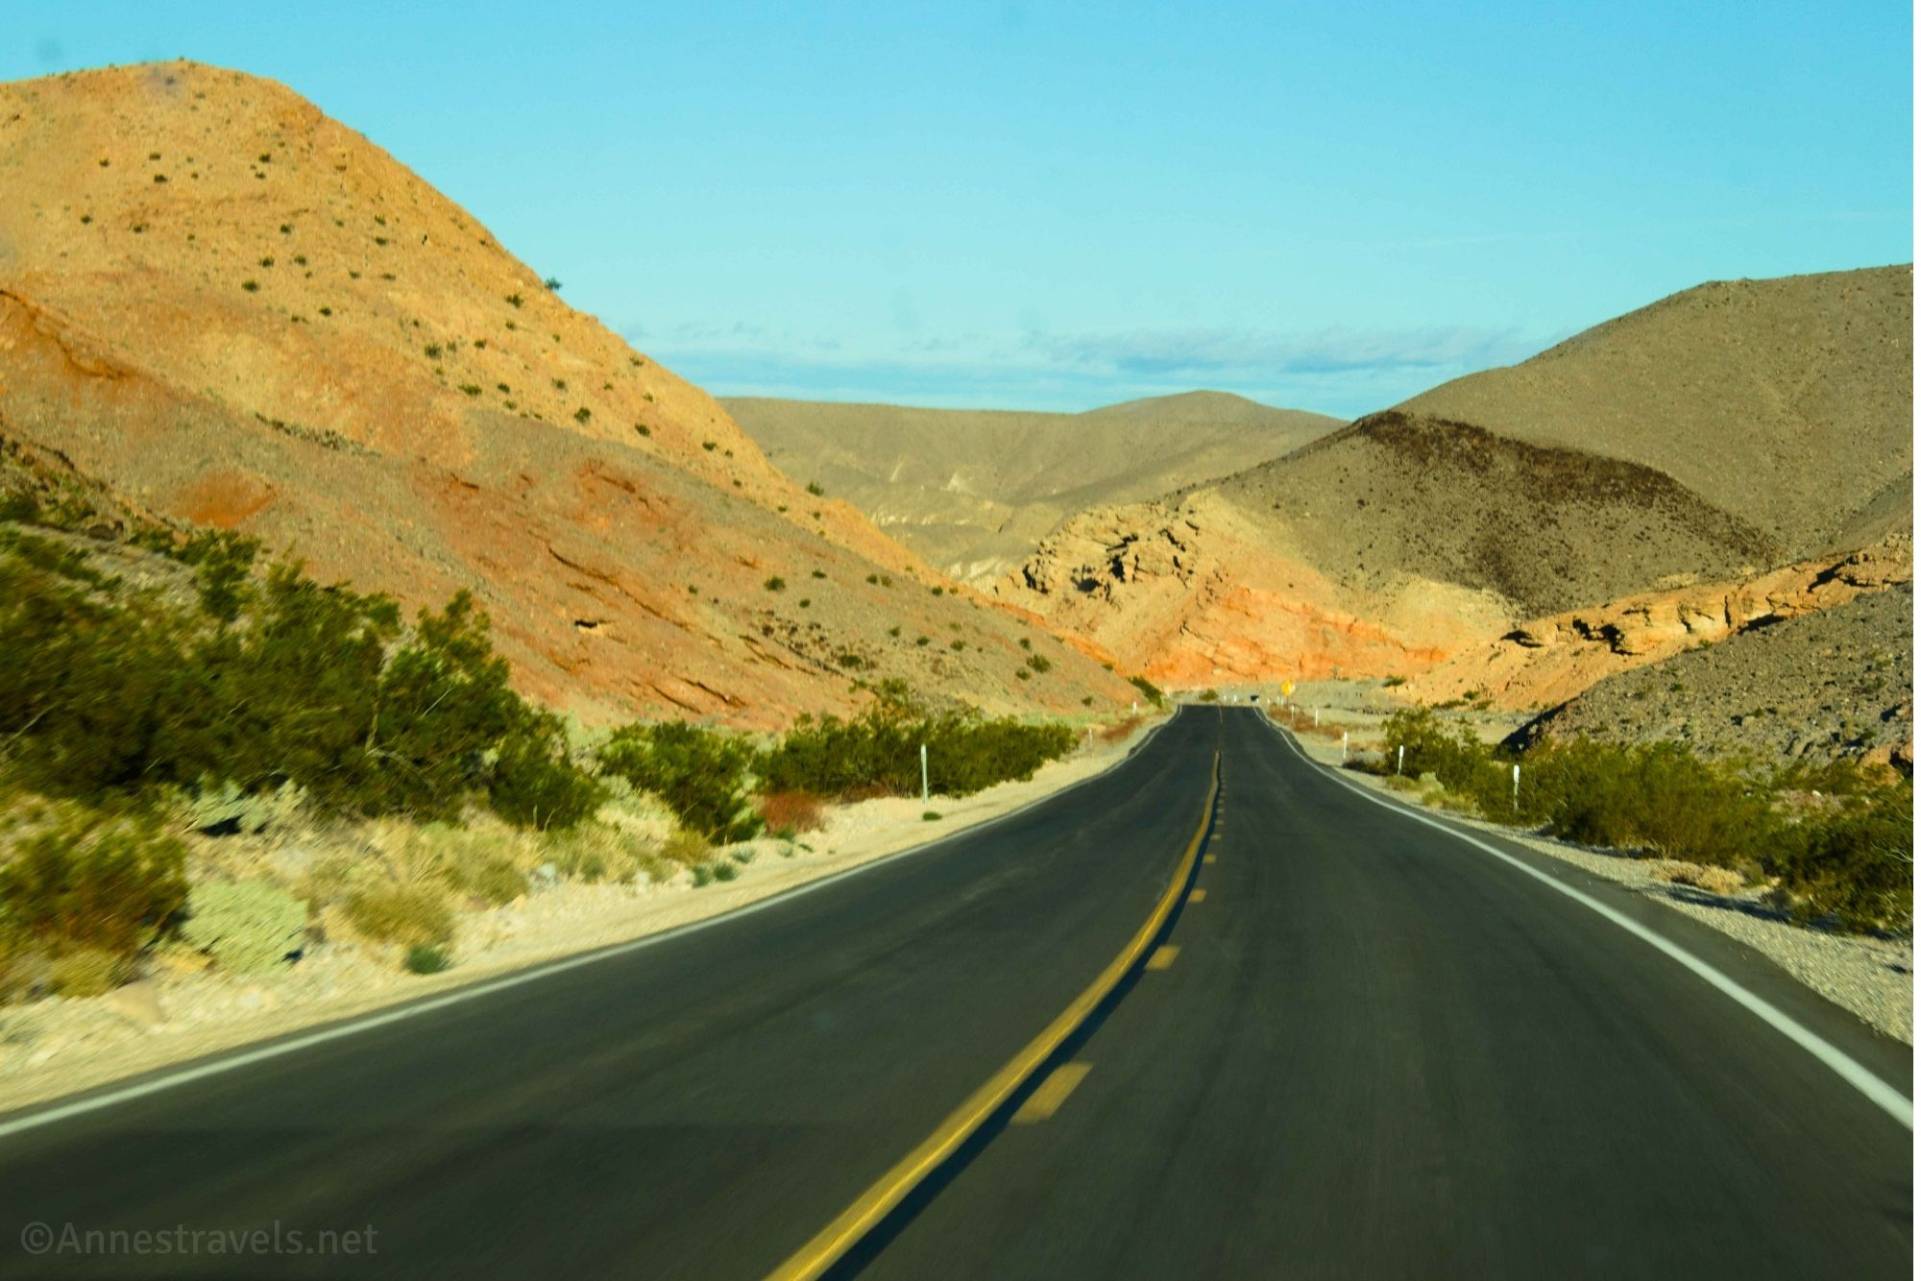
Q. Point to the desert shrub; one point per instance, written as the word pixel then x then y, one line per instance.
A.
pixel 492 878
pixel 1210 696
pixel 1657 797
pixel 223 808
pixel 428 958
pixel 788 813
pixel 1854 866
pixel 76 879
pixel 1040 663
pixel 246 926
pixel 879 752
pixel 686 848
pixel 701 775
pixel 86 971
pixel 413 916
pixel 1415 740
pixel 535 783
pixel 1148 689
pixel 272 682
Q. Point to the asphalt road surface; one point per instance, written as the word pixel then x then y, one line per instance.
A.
pixel 1359 1048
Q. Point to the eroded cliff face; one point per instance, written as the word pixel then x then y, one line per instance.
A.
pixel 1546 661
pixel 1192 593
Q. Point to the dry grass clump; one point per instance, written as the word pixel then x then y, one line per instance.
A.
pixel 1119 730
pixel 788 813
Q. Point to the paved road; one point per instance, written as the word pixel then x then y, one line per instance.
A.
pixel 1374 1051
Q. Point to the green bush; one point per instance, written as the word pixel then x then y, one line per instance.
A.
pixel 878 753
pixel 269 683
pixel 246 926
pixel 535 784
pixel 79 880
pixel 1849 860
pixel 1656 797
pixel 1148 689
pixel 701 775
pixel 428 958
pixel 1854 866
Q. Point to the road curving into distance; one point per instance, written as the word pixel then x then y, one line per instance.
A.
pixel 1293 1033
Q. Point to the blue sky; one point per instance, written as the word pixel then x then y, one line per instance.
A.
pixel 1062 205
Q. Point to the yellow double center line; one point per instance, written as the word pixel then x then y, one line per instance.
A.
pixel 873 1205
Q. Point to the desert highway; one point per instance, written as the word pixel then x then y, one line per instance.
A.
pixel 1322 1038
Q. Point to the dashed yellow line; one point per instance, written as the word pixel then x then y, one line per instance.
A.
pixel 873 1205
pixel 1046 1101
pixel 1207 858
pixel 1198 896
pixel 1163 956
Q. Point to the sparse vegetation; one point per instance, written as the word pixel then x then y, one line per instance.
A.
pixel 878 753
pixel 701 774
pixel 1148 689
pixel 1847 859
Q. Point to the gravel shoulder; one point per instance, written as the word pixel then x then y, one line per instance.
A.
pixel 61 1046
pixel 1873 978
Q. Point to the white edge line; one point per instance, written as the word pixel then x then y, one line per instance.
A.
pixel 366 1023
pixel 1879 1092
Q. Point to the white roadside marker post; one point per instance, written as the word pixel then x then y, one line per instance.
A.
pixel 1343 747
pixel 923 774
pixel 1517 789
pixel 1400 758
pixel 1317 718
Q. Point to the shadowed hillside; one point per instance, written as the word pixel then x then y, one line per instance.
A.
pixel 1787 402
pixel 1699 443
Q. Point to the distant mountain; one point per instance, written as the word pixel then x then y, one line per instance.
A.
pixel 973 491
pixel 1706 439
pixel 1788 403
pixel 227 309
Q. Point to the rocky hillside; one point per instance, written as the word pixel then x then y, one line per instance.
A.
pixel 974 491
pixel 1410 541
pixel 1839 682
pixel 1786 402
pixel 225 308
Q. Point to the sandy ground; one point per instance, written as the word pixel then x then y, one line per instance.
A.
pixel 59 1046
pixel 1871 977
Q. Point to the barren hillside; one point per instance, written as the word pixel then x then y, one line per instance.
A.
pixel 1786 402
pixel 1835 683
pixel 974 491
pixel 229 309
